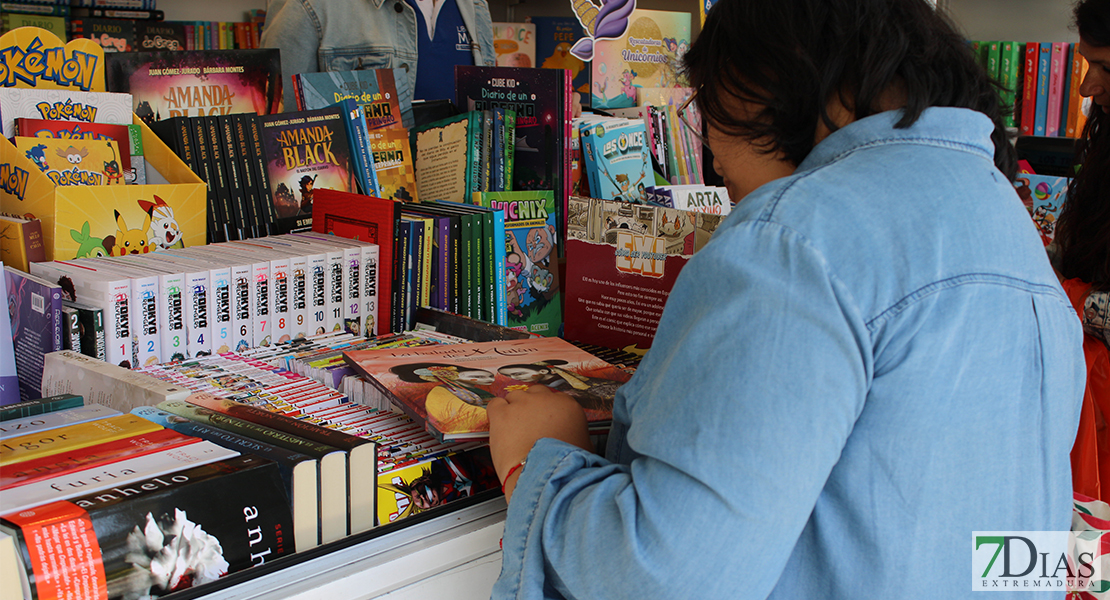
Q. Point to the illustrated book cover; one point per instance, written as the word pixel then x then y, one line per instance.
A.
pixel 618 166
pixel 374 90
pixel 417 487
pixel 515 44
pixel 447 387
pixel 393 163
pixel 160 535
pixel 304 151
pixel 622 262
pixel 35 308
pixel 197 82
pixel 647 55
pixel 554 38
pixel 1044 196
pixel 63 105
pixel 74 162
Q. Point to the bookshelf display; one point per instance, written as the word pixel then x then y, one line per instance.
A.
pixel 456 553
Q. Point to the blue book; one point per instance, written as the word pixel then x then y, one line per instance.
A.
pixel 554 38
pixel 35 308
pixel 375 91
pixel 617 163
pixel 1044 196
pixel 359 138
pixel 1044 62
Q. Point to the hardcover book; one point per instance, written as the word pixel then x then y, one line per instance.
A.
pixel 647 55
pixel 393 164
pixel 197 82
pixel 305 151
pixel 35 308
pixel 21 242
pixel 447 387
pixel 614 248
pixel 374 90
pixel 159 535
pixel 446 157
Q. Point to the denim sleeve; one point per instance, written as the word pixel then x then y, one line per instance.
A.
pixel 735 419
pixel 292 27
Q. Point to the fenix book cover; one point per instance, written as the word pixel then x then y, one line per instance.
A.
pixel 197 82
pixel 448 387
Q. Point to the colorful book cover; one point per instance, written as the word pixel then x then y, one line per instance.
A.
pixel 414 488
pixel 35 308
pixel 445 157
pixel 615 246
pixel 197 82
pixel 74 162
pixel 1075 117
pixel 539 98
pixel 554 38
pixel 66 105
pixel 160 535
pixel 533 293
pixel 648 54
pixel 515 44
pixel 76 130
pixel 447 387
pixel 618 163
pixel 305 150
pixel 1044 196
pixel 374 90
pixel 393 164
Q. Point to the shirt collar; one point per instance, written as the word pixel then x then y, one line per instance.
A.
pixel 958 127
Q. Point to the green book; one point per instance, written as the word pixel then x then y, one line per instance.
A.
pixel 1009 76
pixel 41 406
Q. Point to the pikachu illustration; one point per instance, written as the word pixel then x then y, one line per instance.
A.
pixel 130 241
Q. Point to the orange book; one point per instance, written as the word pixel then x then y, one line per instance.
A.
pixel 28 447
pixel 1076 118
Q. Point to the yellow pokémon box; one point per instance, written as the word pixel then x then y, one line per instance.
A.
pixel 90 220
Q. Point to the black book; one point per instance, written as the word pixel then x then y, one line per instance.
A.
pixel 117 13
pixel 240 202
pixel 219 210
pixel 165 533
pixel 216 152
pixel 258 163
pixel 249 174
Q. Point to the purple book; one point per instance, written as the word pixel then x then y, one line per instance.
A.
pixel 35 308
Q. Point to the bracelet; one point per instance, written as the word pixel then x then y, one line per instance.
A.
pixel 517 466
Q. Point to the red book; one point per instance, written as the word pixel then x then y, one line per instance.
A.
pixel 93 456
pixel 1029 90
pixel 359 217
pixel 1058 69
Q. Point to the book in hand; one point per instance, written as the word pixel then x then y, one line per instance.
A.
pixel 448 387
pixel 158 535
pixel 197 82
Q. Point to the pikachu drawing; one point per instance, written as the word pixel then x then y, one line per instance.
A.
pixel 130 241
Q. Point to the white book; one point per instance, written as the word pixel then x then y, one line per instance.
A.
pixel 704 199
pixel 69 372
pixel 239 275
pixel 353 308
pixel 108 291
pixel 53 420
pixel 171 299
pixel 64 105
pixel 145 307
pixel 117 475
pixel 198 301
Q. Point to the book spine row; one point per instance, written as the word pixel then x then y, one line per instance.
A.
pixel 133 30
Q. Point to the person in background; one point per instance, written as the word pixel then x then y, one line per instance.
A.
pixel 1082 244
pixel 870 360
pixel 426 37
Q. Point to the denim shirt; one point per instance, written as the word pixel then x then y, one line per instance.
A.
pixel 350 35
pixel 870 360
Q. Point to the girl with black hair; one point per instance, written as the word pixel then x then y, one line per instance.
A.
pixel 870 360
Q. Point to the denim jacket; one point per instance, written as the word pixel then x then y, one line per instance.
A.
pixel 348 35
pixel 869 361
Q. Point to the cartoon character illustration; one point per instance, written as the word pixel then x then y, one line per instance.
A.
pixel 440 482
pixel 88 246
pixel 532 265
pixel 624 184
pixel 130 241
pixel 164 231
pixel 1045 218
pixel 458 402
pixel 307 184
pixel 515 288
pixel 563 59
pixel 73 154
pixel 111 168
pixel 626 83
pixel 38 157
pixel 1025 192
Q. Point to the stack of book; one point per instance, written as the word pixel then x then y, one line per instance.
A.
pixel 189 302
pixel 102 500
pixel 1040 84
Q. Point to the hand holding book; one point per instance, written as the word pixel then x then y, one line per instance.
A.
pixel 521 418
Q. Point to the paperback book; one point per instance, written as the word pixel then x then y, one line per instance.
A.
pixel 66 105
pixel 647 55
pixel 1044 196
pixel 393 164
pixel 555 36
pixel 74 162
pixel 448 387
pixel 374 90
pixel 35 308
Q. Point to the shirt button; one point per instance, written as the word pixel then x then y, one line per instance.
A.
pixel 397 7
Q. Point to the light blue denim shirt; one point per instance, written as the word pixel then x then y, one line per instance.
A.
pixel 350 35
pixel 870 360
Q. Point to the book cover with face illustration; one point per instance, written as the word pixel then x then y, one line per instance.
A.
pixel 74 161
pixel 647 55
pixel 448 387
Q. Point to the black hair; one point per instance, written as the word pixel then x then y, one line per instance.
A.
pixel 792 57
pixel 536 366
pixel 1083 229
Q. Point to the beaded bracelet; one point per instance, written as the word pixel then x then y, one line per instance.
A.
pixel 510 473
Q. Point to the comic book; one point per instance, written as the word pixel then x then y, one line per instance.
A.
pixel 393 164
pixel 1044 196
pixel 447 387
pixel 373 90
pixel 74 162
